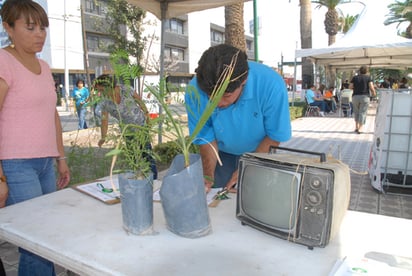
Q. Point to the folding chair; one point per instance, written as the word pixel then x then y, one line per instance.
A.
pixel 346 107
pixel 311 110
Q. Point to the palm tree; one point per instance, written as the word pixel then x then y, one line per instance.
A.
pixel 306 41
pixel 346 22
pixel 234 27
pixel 400 12
pixel 331 17
pixel 331 27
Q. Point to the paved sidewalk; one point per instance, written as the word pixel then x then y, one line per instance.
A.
pixel 331 134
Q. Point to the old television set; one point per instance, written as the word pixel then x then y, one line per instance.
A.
pixel 293 196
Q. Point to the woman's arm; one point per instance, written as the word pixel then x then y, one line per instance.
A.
pixel 3 91
pixel 372 89
pixel 4 189
pixel 62 168
pixel 104 127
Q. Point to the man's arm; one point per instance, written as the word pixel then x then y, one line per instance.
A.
pixel 264 146
pixel 209 160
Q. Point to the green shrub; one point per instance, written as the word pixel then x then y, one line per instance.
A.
pixel 88 162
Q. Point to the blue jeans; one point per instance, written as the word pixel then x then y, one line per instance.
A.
pixel 321 104
pixel 27 179
pixel 224 173
pixel 81 113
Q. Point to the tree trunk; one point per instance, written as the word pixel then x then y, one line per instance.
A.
pixel 234 28
pixel 306 41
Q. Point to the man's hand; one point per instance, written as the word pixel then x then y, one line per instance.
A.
pixel 208 183
pixel 232 182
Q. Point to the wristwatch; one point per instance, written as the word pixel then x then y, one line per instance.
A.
pixel 3 179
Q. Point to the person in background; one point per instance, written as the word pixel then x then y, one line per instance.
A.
pixel 81 97
pixel 330 99
pixel 252 115
pixel 385 84
pixel 321 90
pixel 123 105
pixel 314 99
pixel 31 142
pixel 347 93
pixel 363 89
pixel 404 83
pixel 395 84
pixel 345 85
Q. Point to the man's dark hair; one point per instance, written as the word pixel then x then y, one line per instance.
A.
pixel 212 64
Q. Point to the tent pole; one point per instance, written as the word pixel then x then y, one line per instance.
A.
pixel 255 30
pixel 162 83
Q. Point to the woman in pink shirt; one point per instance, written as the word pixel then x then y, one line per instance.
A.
pixel 30 131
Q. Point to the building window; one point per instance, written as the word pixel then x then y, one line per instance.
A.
pixel 175 54
pixel 175 26
pixel 95 7
pixel 217 37
pixel 97 43
pixel 249 45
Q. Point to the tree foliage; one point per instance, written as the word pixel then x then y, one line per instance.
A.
pixel 400 12
pixel 125 27
pixel 331 21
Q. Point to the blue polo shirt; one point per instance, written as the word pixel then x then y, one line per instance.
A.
pixel 310 95
pixel 262 110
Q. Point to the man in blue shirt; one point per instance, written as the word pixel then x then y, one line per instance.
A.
pixel 252 115
pixel 316 100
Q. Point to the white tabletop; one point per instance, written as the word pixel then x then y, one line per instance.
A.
pixel 86 236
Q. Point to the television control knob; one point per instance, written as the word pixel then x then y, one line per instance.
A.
pixel 315 182
pixel 314 198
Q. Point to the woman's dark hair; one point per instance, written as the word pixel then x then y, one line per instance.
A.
pixel 106 80
pixel 79 81
pixel 363 70
pixel 29 10
pixel 212 64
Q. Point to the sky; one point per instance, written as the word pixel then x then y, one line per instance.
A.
pixel 280 34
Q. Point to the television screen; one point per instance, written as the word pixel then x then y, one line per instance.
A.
pixel 266 188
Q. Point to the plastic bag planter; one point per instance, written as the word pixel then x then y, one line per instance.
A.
pixel 136 198
pixel 184 200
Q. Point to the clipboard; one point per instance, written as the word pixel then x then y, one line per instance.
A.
pixel 96 189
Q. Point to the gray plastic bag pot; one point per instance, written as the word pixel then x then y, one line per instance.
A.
pixel 136 198
pixel 183 198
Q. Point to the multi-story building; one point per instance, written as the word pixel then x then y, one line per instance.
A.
pixel 76 45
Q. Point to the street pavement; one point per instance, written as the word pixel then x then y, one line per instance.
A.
pixel 332 134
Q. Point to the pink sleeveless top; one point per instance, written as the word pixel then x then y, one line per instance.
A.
pixel 27 118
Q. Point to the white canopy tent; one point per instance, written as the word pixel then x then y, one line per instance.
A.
pixel 369 42
pixel 173 8
pixel 164 9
